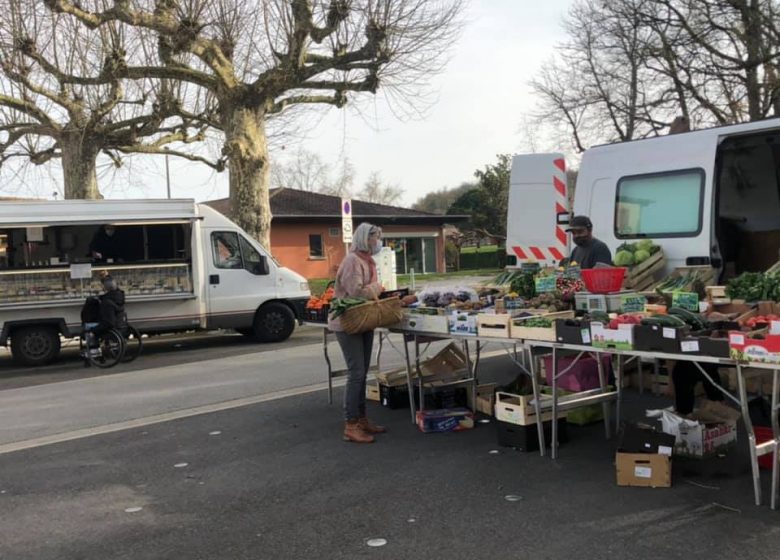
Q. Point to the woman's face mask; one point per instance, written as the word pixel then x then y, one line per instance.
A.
pixel 375 248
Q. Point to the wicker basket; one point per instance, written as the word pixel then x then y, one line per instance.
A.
pixel 371 315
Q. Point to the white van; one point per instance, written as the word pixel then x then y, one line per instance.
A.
pixel 708 197
pixel 182 266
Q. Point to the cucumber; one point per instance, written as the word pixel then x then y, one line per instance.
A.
pixel 664 321
pixel 694 320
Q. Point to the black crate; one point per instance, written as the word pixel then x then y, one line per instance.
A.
pixel 403 292
pixel 650 338
pixel 570 334
pixel 445 397
pixel 318 315
pixel 526 438
pixel 708 346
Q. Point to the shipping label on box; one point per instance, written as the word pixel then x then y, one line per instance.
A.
pixel 621 338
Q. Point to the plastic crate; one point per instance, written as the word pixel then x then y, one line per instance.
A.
pixel 604 280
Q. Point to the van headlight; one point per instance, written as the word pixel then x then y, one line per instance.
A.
pixel 304 286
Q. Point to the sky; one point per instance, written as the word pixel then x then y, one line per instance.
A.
pixel 483 98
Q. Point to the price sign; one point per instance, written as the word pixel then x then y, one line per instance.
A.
pixel 632 303
pixel 545 284
pixel 686 300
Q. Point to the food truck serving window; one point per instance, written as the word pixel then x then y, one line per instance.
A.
pixel 660 205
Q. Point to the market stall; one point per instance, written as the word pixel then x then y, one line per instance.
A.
pixel 529 315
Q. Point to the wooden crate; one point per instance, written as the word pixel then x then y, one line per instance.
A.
pixel 539 333
pixel 494 326
pixel 643 275
pixel 706 275
pixel 517 409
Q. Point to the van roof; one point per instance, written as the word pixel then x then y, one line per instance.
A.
pixel 63 212
pixel 721 130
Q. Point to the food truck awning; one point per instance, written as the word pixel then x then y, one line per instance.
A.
pixel 117 212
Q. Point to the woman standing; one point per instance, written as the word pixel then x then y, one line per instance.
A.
pixel 357 277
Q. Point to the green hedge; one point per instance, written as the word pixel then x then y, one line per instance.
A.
pixel 491 259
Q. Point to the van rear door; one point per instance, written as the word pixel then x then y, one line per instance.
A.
pixel 538 196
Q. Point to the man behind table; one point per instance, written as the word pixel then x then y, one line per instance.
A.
pixel 588 250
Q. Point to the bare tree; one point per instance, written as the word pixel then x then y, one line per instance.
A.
pixel 43 115
pixel 377 191
pixel 260 58
pixel 630 67
pixel 305 171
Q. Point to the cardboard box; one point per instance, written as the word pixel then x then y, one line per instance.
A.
pixel 621 338
pixel 643 469
pixel 746 349
pixel 463 322
pixel 393 378
pixel 493 326
pixel 709 430
pixel 572 334
pixel 639 439
pixel 444 420
pixel 448 363
pixel 655 338
pixel 415 321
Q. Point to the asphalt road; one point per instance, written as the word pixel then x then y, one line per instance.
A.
pixel 274 480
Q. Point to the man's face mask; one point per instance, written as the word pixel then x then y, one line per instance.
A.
pixel 580 237
pixel 110 232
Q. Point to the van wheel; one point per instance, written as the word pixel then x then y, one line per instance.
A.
pixel 35 346
pixel 274 322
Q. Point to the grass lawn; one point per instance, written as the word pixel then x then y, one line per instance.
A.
pixel 485 249
pixel 317 286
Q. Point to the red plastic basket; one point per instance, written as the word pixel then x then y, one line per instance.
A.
pixel 603 280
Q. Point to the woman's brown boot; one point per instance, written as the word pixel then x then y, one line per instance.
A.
pixel 354 432
pixel 369 427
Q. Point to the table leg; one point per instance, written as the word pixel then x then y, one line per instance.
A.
pixel 409 385
pixel 751 436
pixel 776 435
pixel 603 384
pixel 528 351
pixel 554 426
pixel 619 382
pixel 472 373
pixel 327 361
pixel 656 374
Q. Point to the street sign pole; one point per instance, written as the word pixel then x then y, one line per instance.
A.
pixel 346 223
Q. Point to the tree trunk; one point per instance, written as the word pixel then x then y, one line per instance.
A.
pixel 79 160
pixel 246 147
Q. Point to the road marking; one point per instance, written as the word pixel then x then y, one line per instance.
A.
pixel 167 417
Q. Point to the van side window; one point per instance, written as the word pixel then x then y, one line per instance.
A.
pixel 252 258
pixel 225 250
pixel 660 205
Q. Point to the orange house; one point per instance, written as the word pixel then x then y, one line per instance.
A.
pixel 306 232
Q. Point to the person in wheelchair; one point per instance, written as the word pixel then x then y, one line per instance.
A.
pixel 105 312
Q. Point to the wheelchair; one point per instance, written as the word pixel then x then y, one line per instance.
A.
pixel 103 345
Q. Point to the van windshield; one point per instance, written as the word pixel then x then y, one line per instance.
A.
pixel 660 205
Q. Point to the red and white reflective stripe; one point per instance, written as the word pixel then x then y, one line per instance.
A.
pixel 561 202
pixel 559 251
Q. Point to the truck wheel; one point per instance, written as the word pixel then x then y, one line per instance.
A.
pixel 274 322
pixel 35 346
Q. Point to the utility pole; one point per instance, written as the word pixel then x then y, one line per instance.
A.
pixel 167 176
